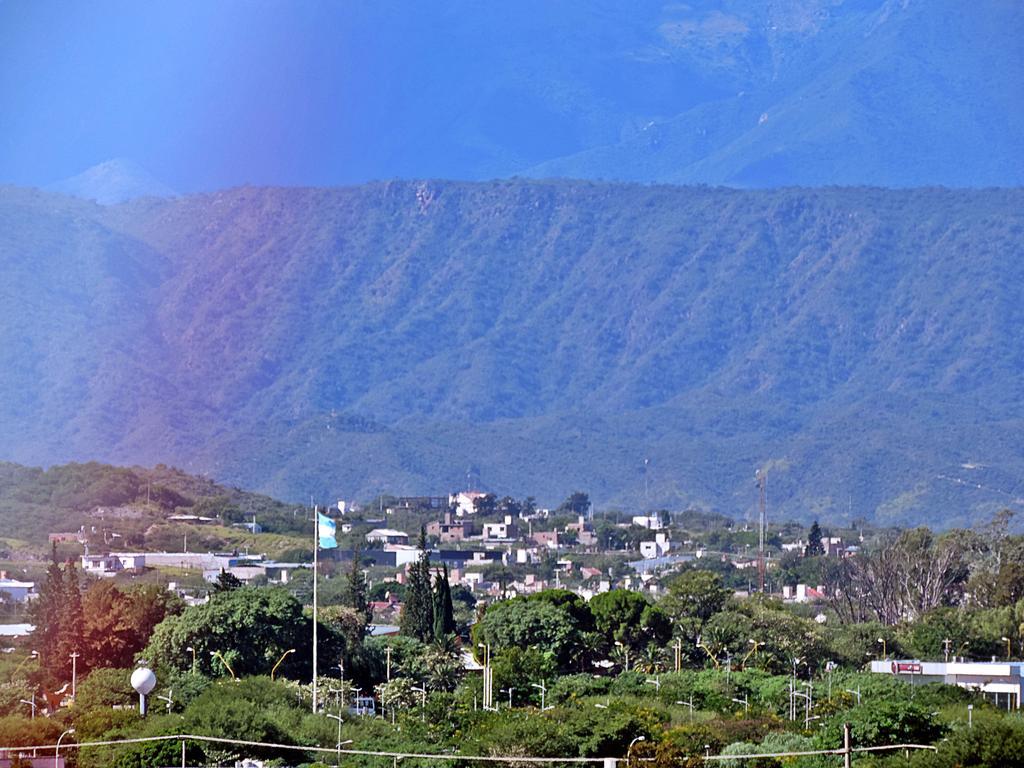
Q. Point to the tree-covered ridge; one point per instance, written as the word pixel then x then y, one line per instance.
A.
pixel 35 502
pixel 651 344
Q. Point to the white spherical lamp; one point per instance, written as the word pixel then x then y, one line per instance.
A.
pixel 143 681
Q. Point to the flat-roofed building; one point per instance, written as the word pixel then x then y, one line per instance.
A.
pixel 998 681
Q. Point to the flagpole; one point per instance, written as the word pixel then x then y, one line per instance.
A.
pixel 316 549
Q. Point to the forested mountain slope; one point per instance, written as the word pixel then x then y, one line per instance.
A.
pixel 553 335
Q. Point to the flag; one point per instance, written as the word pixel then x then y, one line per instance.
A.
pixel 325 529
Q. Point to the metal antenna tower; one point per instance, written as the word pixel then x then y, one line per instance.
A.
pixel 762 485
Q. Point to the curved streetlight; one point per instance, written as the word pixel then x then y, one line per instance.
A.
pixel 752 652
pixel 630 748
pixel 26 660
pixel 885 653
pixel 278 664
pixel 191 648
pixel 340 721
pixel 1008 651
pixel 56 750
pixel 219 655
pixel 31 703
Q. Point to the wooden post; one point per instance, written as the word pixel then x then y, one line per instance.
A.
pixel 846 745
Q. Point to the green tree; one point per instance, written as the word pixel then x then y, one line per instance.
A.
pixel 444 611
pixel 226 582
pixel 57 619
pixel 485 505
pixel 418 610
pixel 356 590
pixel 251 628
pixel 118 623
pixel 814 545
pixel 695 595
pixel 577 503
pixel 627 617
pixel 520 623
pixel 884 722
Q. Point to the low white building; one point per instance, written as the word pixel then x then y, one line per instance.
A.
pixel 17 591
pixel 503 531
pixel 387 536
pixel 999 682
pixel 114 563
pixel 657 548
pixel 651 522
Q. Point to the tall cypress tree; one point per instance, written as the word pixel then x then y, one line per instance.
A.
pixel 444 611
pixel 72 623
pixel 46 616
pixel 814 545
pixel 355 596
pixel 418 612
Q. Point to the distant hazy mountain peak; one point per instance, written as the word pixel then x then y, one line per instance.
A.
pixel 113 181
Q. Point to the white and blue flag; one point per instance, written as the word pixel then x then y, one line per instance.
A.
pixel 325 531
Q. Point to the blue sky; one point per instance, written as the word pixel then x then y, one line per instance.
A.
pixel 202 94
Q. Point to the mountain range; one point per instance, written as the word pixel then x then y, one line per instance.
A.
pixel 651 345
pixel 741 93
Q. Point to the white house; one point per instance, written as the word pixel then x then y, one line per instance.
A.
pixel 503 531
pixel 651 522
pixel 387 536
pixel 464 502
pixel 114 563
pixel 657 548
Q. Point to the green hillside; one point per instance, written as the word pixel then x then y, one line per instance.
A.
pixel 550 335
pixel 129 500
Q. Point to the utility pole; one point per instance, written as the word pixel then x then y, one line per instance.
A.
pixel 762 484
pixel 74 673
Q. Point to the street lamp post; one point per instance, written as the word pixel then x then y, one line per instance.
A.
pixel 278 664
pixel 656 682
pixel 56 751
pixel 543 692
pixel 168 698
pixel 688 703
pixel 1008 647
pixel 220 656
pixel 143 681
pixel 31 703
pixel 340 721
pixel 745 702
pixel 191 648
pixel 509 692
pixel 422 691
pixel 885 652
pixel 754 645
pixel 26 660
pixel 488 676
pixel 629 749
